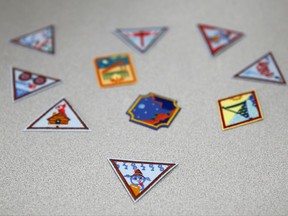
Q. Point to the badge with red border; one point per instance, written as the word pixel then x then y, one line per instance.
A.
pixel 218 39
pixel 239 110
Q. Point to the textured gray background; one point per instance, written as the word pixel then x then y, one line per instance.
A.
pixel 236 172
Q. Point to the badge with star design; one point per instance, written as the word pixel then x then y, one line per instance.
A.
pixel 153 111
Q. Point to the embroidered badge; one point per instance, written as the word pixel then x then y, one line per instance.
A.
pixel 25 83
pixel 115 70
pixel 153 111
pixel 239 110
pixel 218 39
pixel 265 69
pixel 60 117
pixel 41 40
pixel 138 177
pixel 141 39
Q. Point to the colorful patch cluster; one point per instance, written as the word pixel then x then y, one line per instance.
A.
pixel 151 110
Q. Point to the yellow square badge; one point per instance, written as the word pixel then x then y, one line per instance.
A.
pixel 115 70
pixel 239 110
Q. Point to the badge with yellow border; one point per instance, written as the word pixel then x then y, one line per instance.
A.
pixel 115 70
pixel 239 110
pixel 153 111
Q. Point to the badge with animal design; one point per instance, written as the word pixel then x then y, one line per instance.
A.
pixel 239 110
pixel 41 40
pixel 263 69
pixel 26 83
pixel 218 39
pixel 115 70
pixel 60 117
pixel 153 111
pixel 138 177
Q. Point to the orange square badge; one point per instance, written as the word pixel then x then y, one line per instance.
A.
pixel 115 70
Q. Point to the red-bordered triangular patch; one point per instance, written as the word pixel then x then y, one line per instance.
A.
pixel 138 177
pixel 218 39
pixel 42 40
pixel 60 117
pixel 26 83
pixel 264 69
pixel 141 39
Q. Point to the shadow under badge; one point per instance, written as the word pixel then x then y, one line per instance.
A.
pixel 239 110
pixel 138 177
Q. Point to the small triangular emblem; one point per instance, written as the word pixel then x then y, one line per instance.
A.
pixel 42 40
pixel 138 177
pixel 218 39
pixel 26 83
pixel 60 117
pixel 265 69
pixel 141 39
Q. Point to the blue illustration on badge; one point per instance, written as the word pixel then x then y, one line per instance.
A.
pixel 218 39
pixel 153 111
pixel 25 83
pixel 142 39
pixel 41 40
pixel 239 110
pixel 140 176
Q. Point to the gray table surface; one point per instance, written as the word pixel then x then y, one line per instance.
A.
pixel 242 171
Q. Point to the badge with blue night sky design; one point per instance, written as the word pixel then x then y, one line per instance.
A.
pixel 153 111
pixel 239 110
pixel 115 70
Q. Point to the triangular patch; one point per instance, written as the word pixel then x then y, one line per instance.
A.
pixel 25 83
pixel 138 177
pixel 141 38
pixel 218 39
pixel 265 69
pixel 42 40
pixel 60 117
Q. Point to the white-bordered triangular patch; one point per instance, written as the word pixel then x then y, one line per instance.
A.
pixel 264 69
pixel 60 117
pixel 218 39
pixel 42 40
pixel 26 83
pixel 141 39
pixel 138 177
